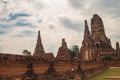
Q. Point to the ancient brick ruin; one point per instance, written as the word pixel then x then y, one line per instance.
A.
pixel 64 53
pixel 95 45
pixel 39 50
pixel 44 66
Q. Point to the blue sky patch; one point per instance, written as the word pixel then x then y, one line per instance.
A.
pixel 2 32
pixel 22 23
pixel 17 15
pixel 4 26
pixel 3 19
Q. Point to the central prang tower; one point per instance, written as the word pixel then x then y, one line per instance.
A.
pixel 98 33
pixel 95 45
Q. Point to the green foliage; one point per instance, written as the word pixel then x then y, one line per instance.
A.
pixel 26 52
pixel 73 49
pixel 106 58
pixel 73 54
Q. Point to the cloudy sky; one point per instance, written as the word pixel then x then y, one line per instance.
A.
pixel 20 21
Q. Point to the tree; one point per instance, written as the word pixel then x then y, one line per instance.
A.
pixel 74 51
pixel 26 52
pixel 107 58
pixel 73 54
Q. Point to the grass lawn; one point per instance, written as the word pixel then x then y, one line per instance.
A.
pixel 109 72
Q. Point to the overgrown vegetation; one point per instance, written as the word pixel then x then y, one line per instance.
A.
pixel 26 52
pixel 73 50
pixel 107 58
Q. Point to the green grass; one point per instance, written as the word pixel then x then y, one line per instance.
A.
pixel 109 72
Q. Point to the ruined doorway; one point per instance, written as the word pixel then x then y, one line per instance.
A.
pixel 97 45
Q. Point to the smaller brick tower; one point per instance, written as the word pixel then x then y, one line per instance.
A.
pixel 39 50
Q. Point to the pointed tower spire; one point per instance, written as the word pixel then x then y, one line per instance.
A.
pixel 39 50
pixel 39 42
pixel 86 32
pixel 117 45
pixel 87 36
pixel 64 44
pixel 117 50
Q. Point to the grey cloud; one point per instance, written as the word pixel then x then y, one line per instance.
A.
pixel 51 26
pixel 109 4
pixel 111 7
pixel 39 21
pixel 77 3
pixel 71 25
